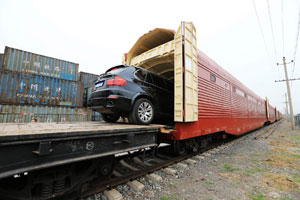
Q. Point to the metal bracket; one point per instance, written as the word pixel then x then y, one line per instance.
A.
pixel 44 148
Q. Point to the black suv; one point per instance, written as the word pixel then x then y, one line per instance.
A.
pixel 133 92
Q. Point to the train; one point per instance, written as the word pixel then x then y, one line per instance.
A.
pixel 208 99
pixel 47 160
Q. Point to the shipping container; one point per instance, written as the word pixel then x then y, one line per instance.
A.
pixel 28 89
pixel 25 114
pixel 1 60
pixel 31 63
pixel 96 116
pixel 297 120
pixel 87 79
pixel 86 95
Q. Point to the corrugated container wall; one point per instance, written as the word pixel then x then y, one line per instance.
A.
pixel 86 95
pixel 297 120
pixel 24 114
pixel 29 89
pixel 96 116
pixel 87 79
pixel 1 59
pixel 31 63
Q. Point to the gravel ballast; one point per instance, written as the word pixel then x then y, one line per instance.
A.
pixel 243 169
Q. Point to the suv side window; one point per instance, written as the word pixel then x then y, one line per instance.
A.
pixel 149 78
pixel 158 81
pixel 141 74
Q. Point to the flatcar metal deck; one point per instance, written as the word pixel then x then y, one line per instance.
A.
pixel 33 146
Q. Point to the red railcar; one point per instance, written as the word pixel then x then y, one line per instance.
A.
pixel 224 104
pixel 272 114
pixel 207 99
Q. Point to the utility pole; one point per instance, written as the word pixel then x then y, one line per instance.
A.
pixel 286 107
pixel 289 92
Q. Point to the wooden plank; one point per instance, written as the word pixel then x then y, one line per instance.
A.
pixel 34 130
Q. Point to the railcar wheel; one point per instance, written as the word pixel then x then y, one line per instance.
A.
pixel 193 144
pixel 180 148
pixel 203 143
pixel 105 166
pixel 110 118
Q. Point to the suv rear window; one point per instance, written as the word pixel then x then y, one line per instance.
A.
pixel 115 70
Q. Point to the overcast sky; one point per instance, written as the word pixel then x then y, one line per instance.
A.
pixel 95 34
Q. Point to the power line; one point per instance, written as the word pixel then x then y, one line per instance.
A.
pixel 260 27
pixel 282 25
pixel 271 24
pixel 296 44
pixel 292 79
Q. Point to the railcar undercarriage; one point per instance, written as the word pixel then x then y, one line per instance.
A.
pixel 43 162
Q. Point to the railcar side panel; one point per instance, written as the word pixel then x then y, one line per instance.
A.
pixel 213 97
pixel 272 110
pixel 224 105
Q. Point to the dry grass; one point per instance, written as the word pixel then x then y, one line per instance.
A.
pixel 283 161
pixel 231 176
pixel 281 182
pixel 289 144
pixel 274 143
pixel 282 150
pixel 277 143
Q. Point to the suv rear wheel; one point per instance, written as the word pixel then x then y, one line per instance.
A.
pixel 142 112
pixel 110 118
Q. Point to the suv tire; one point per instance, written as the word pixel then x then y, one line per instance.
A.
pixel 142 112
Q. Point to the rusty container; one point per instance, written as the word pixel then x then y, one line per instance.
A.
pixel 28 113
pixel 29 89
pixel 96 116
pixel 32 63
pixel 86 95
pixel 1 59
pixel 87 79
pixel 297 120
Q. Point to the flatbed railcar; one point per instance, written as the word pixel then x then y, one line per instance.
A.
pixel 43 160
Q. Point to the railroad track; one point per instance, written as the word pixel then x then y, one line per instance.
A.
pixel 133 165
pixel 270 130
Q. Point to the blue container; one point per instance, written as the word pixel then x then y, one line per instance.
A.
pixel 1 59
pixel 29 89
pixel 31 63
pixel 86 95
pixel 87 79
pixel 25 114
pixel 297 120
pixel 96 116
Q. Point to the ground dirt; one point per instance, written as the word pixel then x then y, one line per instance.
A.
pixel 246 169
